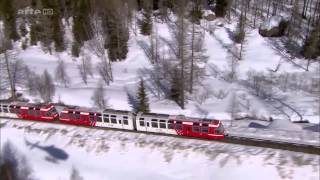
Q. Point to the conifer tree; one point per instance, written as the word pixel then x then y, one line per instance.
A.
pixel 143 102
pixel 311 44
pixel 222 7
pixel 34 30
pixel 311 47
pixel 8 11
pixel 81 25
pixel 146 23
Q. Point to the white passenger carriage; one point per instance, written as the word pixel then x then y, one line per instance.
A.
pixel 116 119
pixel 158 123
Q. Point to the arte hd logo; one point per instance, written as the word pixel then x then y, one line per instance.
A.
pixel 28 11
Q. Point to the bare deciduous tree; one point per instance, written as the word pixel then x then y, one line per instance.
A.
pixel 45 86
pixel 85 68
pixel 75 175
pixel 98 98
pixel 61 74
pixel 97 45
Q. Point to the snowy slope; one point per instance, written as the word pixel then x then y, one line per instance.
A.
pixel 107 154
pixel 259 56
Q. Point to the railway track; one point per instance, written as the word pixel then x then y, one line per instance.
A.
pixel 248 141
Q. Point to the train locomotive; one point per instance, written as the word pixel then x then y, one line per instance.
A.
pixel 109 118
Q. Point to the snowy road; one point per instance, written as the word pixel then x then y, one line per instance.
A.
pixel 52 150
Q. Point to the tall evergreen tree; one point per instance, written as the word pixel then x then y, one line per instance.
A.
pixel 143 102
pixel 222 7
pixel 146 23
pixel 81 24
pixel 311 47
pixel 8 11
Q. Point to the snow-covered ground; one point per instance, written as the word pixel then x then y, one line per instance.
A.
pixel 53 150
pixel 259 56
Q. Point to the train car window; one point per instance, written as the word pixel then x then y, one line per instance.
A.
pixel 125 120
pixel 205 125
pixel 12 109
pixel 162 121
pixel 71 116
pixel 37 113
pixel 220 130
pixel 195 129
pixel 204 129
pixel 170 125
pixel 30 112
pixel 64 116
pixel 99 119
pixel 179 122
pixel 5 109
pixel 83 118
pixel 91 117
pixel 106 118
pixel 141 118
pixel 162 125
pixel 120 122
pixel 148 124
pixel 154 123
pixel 141 123
pixel 113 119
pixel 178 126
pixel 77 116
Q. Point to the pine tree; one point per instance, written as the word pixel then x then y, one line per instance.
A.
pixel 8 11
pixel 146 23
pixel 240 31
pixel 311 45
pixel 75 49
pixel 196 13
pixel 222 7
pixel 81 24
pixel 34 31
pixel 143 102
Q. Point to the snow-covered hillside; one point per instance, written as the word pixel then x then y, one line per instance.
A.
pixel 212 99
pixel 52 151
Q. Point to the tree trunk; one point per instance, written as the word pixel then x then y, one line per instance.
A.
pixel 12 88
pixel 192 59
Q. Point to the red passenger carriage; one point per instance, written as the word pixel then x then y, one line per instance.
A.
pixel 194 127
pixel 79 116
pixel 40 112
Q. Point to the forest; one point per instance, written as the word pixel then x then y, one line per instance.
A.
pixel 179 64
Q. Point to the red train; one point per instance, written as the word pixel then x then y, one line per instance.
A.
pixel 109 118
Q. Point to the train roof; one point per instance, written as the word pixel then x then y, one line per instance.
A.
pixel 192 119
pixel 81 109
pixel 155 115
pixel 35 105
pixel 116 111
